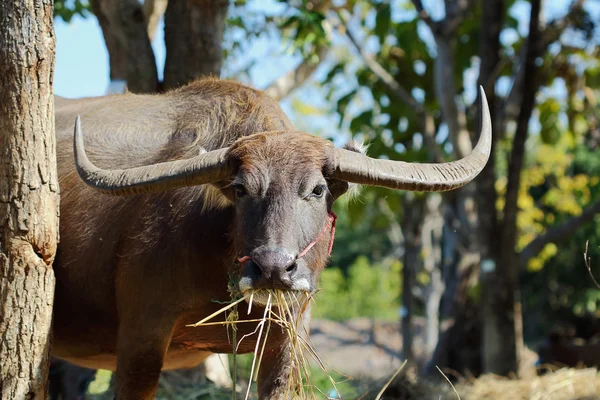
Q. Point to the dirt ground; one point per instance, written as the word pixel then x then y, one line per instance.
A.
pixel 360 347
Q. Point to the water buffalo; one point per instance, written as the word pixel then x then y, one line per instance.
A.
pixel 177 188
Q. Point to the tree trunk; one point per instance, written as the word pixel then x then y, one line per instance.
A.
pixel 411 228
pixel 457 348
pixel 28 196
pixel 492 17
pixel 193 35
pixel 433 225
pixel 132 63
pixel 502 327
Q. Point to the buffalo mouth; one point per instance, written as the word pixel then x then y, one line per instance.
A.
pixel 302 284
pixel 276 297
pixel 291 283
pixel 294 294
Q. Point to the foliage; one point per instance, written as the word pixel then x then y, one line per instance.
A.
pixel 67 9
pixel 101 383
pixel 551 191
pixel 361 231
pixel 366 291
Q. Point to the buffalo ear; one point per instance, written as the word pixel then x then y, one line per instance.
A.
pixel 337 188
pixel 225 187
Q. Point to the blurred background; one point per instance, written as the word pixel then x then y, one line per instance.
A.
pixel 491 278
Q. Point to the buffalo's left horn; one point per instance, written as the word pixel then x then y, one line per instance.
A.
pixel 358 168
pixel 204 168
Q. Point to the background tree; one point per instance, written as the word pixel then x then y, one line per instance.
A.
pixel 193 36
pixel 28 196
pixel 126 34
pixel 413 66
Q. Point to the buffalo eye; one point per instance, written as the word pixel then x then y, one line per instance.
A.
pixel 240 191
pixel 318 191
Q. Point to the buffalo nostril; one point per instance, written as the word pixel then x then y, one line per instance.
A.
pixel 256 271
pixel 291 268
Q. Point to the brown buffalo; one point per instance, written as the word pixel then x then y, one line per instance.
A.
pixel 178 187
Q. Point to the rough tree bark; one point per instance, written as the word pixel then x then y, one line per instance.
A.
pixel 132 62
pixel 193 35
pixel 28 196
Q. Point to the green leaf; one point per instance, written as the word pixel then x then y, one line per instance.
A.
pixel 66 9
pixel 382 21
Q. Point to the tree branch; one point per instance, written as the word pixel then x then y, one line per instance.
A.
pixel 556 27
pixel 285 84
pixel 446 92
pixel 398 91
pixel 445 88
pixel 489 51
pixel 425 17
pixel 530 87
pixel 455 14
pixel 588 264
pixel 551 33
pixel 153 10
pixel 558 233
pixel 385 77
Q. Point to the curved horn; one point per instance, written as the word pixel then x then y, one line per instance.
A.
pixel 205 168
pixel 358 168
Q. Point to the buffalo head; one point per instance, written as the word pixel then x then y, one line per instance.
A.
pixel 283 185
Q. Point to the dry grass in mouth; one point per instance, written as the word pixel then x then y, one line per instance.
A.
pixel 285 309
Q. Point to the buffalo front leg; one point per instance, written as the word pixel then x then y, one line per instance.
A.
pixel 274 373
pixel 141 350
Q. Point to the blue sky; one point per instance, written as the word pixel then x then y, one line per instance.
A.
pixel 81 59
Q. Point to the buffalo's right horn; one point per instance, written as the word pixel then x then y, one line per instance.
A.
pixel 358 168
pixel 205 168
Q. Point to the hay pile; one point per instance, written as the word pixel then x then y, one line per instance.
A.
pixel 564 384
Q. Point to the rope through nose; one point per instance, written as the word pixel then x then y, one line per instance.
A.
pixel 330 223
pixel 331 219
